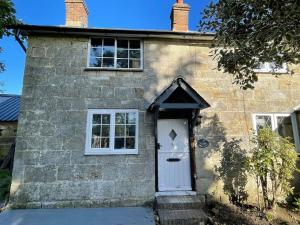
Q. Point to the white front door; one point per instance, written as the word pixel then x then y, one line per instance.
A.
pixel 174 171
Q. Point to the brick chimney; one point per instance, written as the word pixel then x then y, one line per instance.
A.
pixel 180 16
pixel 76 13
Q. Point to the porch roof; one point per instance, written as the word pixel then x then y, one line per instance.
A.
pixel 179 95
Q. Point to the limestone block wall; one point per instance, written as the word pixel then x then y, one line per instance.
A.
pixel 230 114
pixel 50 167
pixel 7 137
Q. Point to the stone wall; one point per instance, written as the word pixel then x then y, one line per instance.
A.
pixel 7 137
pixel 50 167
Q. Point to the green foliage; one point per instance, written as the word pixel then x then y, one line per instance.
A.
pixel 296 204
pixel 7 18
pixel 233 171
pixel 250 32
pixel 273 161
pixel 5 181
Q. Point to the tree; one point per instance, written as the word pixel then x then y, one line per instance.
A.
pixel 7 18
pixel 273 162
pixel 250 32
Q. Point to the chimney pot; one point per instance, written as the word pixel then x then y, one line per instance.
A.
pixel 180 16
pixel 76 13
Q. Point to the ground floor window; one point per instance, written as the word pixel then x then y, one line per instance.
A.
pixel 112 132
pixel 287 125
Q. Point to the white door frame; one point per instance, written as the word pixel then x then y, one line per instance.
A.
pixel 180 171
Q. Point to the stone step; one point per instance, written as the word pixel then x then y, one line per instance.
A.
pixel 179 202
pixel 182 217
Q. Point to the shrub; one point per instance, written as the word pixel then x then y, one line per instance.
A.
pixel 5 181
pixel 273 162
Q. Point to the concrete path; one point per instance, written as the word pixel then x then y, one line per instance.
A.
pixel 100 216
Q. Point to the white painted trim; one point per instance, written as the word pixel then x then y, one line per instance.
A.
pixel 175 193
pixel 274 120
pixel 115 56
pixel 295 131
pixel 254 122
pixel 267 69
pixel 110 150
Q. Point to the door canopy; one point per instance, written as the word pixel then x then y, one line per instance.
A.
pixel 179 95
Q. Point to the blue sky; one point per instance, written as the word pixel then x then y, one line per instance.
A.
pixel 134 14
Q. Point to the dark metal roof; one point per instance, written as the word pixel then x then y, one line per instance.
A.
pixel 9 107
pixel 26 30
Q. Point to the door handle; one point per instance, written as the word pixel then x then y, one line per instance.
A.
pixel 173 159
pixel 159 145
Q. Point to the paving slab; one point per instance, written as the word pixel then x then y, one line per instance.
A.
pixel 79 216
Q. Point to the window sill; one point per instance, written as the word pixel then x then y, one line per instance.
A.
pixel 272 72
pixel 112 69
pixel 111 152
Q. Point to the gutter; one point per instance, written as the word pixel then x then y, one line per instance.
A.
pixel 27 30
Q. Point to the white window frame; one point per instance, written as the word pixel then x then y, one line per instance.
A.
pixel 115 56
pixel 266 68
pixel 109 151
pixel 274 123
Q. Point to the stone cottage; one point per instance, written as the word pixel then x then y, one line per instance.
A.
pixel 115 117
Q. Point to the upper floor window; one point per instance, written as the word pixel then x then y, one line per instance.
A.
pixel 115 53
pixel 270 67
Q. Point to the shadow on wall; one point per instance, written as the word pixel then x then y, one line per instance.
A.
pixel 221 166
pixel 166 63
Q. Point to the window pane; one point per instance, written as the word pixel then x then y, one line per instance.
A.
pixel 105 131
pixel 96 52
pixel 130 143
pixel 285 128
pixel 263 121
pixel 120 118
pixel 135 54
pixel 105 119
pixel 108 62
pixel 134 64
pixel 130 130
pixel 108 52
pixel 96 119
pixel 122 43
pixel 122 63
pixel 95 142
pixel 135 44
pixel 130 118
pixel 104 142
pixel 122 53
pixel 109 42
pixel 96 42
pixel 95 62
pixel 119 143
pixel 273 66
pixel 120 131
pixel 96 131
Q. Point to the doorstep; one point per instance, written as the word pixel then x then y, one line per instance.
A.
pixel 175 193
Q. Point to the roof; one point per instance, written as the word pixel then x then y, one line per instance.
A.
pixel 28 30
pixel 9 107
pixel 179 93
